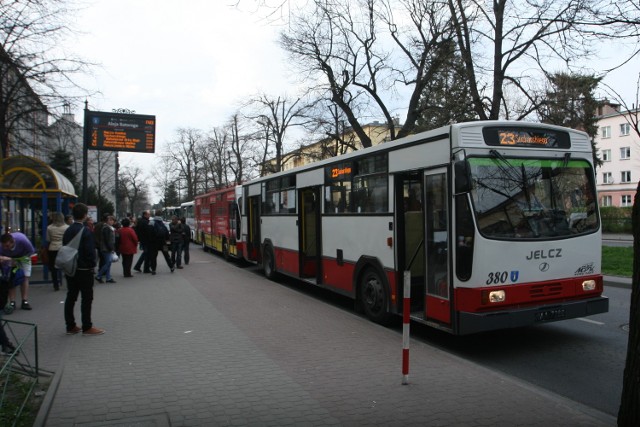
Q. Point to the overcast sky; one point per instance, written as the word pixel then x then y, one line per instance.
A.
pixel 191 63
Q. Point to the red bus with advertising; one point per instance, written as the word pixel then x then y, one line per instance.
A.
pixel 217 222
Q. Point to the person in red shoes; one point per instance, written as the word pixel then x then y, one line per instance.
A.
pixel 81 283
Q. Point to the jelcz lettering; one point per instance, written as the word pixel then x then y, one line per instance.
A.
pixel 542 254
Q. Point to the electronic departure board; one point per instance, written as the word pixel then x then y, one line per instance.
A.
pixel 120 132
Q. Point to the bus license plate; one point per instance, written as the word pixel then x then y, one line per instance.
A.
pixel 546 315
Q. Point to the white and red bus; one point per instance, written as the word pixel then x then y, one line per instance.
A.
pixel 217 221
pixel 496 221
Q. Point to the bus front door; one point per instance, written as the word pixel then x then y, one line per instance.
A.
pixel 437 299
pixel 309 233
pixel 410 223
pixel 253 232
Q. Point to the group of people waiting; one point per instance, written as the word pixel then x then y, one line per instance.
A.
pixel 100 245
pixel 121 239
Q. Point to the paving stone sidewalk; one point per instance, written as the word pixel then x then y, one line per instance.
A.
pixel 219 345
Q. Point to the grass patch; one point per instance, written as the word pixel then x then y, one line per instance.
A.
pixel 617 261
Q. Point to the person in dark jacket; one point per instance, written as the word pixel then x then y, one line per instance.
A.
pixel 176 240
pixel 82 282
pixel 158 237
pixel 187 240
pixel 142 230
pixel 106 247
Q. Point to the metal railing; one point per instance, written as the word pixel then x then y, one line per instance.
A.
pixel 19 371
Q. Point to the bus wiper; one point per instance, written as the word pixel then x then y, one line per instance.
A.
pixel 510 170
pixel 567 157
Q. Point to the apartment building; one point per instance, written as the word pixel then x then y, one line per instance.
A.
pixel 619 149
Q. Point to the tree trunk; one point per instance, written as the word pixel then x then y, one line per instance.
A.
pixel 629 414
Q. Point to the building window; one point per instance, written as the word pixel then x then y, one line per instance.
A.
pixel 625 176
pixel 606 131
pixel 626 200
pixel 606 155
pixel 607 178
pixel 606 201
pixel 625 153
pixel 624 129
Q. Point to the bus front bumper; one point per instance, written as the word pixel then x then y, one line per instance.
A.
pixel 471 323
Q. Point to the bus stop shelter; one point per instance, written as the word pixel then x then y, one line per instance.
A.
pixel 29 190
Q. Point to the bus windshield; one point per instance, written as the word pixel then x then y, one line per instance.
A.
pixel 532 198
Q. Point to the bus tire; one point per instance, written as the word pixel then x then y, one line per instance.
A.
pixel 269 262
pixel 373 295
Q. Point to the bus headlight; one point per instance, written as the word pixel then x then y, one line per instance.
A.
pixel 496 296
pixel 489 297
pixel 588 285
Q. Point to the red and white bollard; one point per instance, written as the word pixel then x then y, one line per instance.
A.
pixel 406 319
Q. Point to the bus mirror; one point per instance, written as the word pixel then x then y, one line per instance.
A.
pixel 463 177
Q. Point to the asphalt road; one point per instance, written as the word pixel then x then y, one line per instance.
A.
pixel 581 359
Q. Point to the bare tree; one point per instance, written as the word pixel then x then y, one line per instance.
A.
pixel 34 72
pixel 134 188
pixel 347 46
pixel 105 174
pixel 166 174
pixel 215 154
pixel 510 43
pixel 274 116
pixel 182 153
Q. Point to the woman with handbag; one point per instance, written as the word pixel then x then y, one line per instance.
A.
pixel 55 231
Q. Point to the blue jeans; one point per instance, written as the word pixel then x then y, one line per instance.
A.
pixel 105 271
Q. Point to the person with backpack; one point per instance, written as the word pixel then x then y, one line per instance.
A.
pixel 158 235
pixel 81 283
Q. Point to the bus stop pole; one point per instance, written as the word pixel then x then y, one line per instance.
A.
pixel 406 310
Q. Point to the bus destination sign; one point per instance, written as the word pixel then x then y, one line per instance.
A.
pixel 120 132
pixel 526 137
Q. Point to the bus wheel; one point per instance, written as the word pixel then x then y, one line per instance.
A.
pixel 373 297
pixel 268 263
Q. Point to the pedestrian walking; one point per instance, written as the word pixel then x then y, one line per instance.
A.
pixel 55 231
pixel 142 231
pixel 158 239
pixel 187 240
pixel 176 240
pixel 81 283
pixel 128 246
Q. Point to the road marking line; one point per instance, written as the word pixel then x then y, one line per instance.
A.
pixel 590 321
